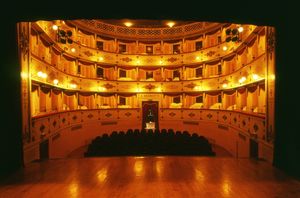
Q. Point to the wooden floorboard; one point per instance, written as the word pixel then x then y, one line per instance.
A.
pixel 152 176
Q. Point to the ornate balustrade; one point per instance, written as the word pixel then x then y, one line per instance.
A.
pixel 48 125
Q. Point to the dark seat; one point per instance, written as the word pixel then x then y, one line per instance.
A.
pixel 149 143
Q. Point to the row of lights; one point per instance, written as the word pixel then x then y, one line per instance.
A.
pixel 55 81
pixel 42 75
pixel 243 79
pixel 140 90
pixel 171 24
pixel 129 24
pixel 74 86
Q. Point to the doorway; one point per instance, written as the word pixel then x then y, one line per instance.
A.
pixel 44 150
pixel 253 149
pixel 150 113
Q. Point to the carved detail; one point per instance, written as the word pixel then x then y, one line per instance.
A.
pixel 88 53
pixel 244 123
pixel 172 59
pixel 127 114
pixel 255 127
pixel 191 114
pixel 149 60
pixel 42 128
pixel 127 59
pixel 271 41
pixel 191 85
pixel 172 114
pixel 108 86
pixel 108 115
pixel 24 43
pixel 210 53
pixel 149 86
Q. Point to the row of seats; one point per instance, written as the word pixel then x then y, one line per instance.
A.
pixel 136 142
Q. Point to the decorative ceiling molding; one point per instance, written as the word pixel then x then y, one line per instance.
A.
pixel 164 33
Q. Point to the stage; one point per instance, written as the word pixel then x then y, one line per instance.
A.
pixel 152 176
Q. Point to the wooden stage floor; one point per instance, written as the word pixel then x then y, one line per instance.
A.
pixel 154 176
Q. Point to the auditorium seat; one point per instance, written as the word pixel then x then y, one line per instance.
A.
pixel 149 143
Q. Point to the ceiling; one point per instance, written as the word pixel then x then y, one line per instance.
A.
pixel 144 23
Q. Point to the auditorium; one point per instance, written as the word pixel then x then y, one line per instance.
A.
pixel 148 108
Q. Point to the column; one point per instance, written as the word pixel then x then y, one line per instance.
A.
pixel 270 84
pixel 24 42
pixel 183 100
pixel 137 74
pixel 95 41
pixel 163 73
pixel 116 45
pixel 116 73
pixel 116 101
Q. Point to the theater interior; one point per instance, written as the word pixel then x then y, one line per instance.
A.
pixel 125 106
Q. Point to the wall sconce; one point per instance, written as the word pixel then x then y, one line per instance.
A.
pixel 55 82
pixel 73 86
pixel 243 79
pixel 42 75
pixel 255 76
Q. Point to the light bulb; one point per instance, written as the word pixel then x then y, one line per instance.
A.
pixel 240 29
pixel 55 27
pixel 55 81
